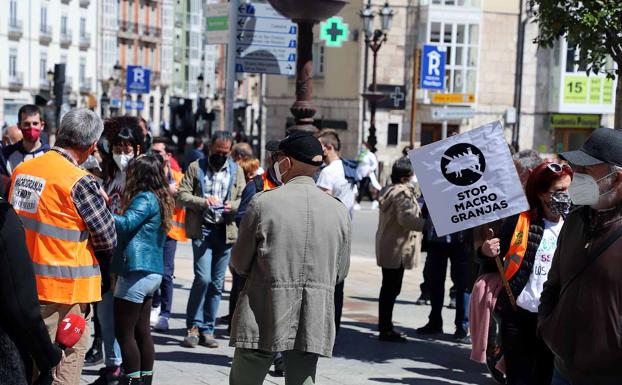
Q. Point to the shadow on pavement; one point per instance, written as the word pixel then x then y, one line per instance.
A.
pixel 359 341
pixel 198 356
pixel 375 300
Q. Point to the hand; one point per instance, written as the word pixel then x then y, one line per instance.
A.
pixel 228 206
pixel 105 196
pixel 212 201
pixel 491 247
pixel 172 187
pixel 57 369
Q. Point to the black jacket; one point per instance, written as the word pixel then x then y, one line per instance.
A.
pixel 21 326
pixel 520 279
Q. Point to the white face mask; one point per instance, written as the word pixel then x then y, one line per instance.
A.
pixel 584 190
pixel 277 171
pixel 122 160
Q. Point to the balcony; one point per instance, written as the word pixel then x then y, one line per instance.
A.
pixel 127 30
pixel 45 34
pixel 65 1
pixel 85 85
pixel 85 41
pixel 150 34
pixel 16 81
pixel 85 3
pixel 16 30
pixel 65 38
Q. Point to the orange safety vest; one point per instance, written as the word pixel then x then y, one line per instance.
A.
pixel 66 270
pixel 178 222
pixel 518 246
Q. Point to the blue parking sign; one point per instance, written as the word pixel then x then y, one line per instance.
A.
pixel 433 67
pixel 138 80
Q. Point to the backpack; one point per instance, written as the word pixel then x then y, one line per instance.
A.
pixel 349 170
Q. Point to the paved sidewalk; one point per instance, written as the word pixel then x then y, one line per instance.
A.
pixel 359 358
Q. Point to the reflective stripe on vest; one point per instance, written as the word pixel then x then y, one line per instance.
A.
pixel 72 272
pixel 177 224
pixel 518 246
pixel 54 231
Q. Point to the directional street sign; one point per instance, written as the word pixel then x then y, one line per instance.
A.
pixel 266 41
pixel 453 98
pixel 138 80
pixel 217 22
pixel 452 113
pixel 433 67
pixel 334 31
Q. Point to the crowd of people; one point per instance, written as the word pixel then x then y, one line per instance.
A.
pixel 90 226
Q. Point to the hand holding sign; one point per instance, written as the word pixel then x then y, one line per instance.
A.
pixel 491 246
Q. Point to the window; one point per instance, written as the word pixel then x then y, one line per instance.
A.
pixel 13 62
pixel 141 57
pixel 82 70
pixel 43 65
pixel 82 26
pixel 63 25
pixel 152 58
pixel 44 18
pixel 392 134
pixel 319 60
pixel 459 3
pixel 461 42
pixel 130 56
pixel 13 12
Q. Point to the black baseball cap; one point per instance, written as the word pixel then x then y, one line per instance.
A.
pixel 603 146
pixel 303 147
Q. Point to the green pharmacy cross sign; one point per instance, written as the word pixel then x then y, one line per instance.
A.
pixel 334 31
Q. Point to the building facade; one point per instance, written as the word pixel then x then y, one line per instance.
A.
pixel 38 34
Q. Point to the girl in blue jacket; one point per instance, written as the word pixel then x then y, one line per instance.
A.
pixel 141 233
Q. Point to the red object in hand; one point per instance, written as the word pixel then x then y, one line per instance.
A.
pixel 70 331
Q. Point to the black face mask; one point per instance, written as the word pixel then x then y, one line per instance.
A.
pixel 217 161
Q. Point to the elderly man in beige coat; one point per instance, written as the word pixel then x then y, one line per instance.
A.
pixel 294 246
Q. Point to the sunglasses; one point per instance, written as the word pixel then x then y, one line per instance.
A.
pixel 558 168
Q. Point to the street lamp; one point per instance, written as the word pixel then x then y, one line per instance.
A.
pixel 306 13
pixel 374 39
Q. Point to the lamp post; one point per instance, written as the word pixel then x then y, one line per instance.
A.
pixel 306 13
pixel 104 101
pixel 374 39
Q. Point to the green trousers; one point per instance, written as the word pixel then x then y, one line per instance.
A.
pixel 250 367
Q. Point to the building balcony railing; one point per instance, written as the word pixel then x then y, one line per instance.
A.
pixel 85 3
pixel 128 30
pixel 65 1
pixel 151 30
pixel 16 81
pixel 16 30
pixel 66 37
pixel 85 41
pixel 45 34
pixel 85 85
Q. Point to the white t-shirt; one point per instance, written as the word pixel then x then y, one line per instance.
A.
pixel 529 298
pixel 333 178
pixel 367 165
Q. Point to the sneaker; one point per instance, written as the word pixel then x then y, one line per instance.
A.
pixel 392 336
pixel 155 315
pixel 375 205
pixel 356 207
pixel 452 303
pixel 430 329
pixel 423 300
pixel 192 338
pixel 461 336
pixel 208 340
pixel 95 355
pixel 162 324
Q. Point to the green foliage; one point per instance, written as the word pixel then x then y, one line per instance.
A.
pixel 594 26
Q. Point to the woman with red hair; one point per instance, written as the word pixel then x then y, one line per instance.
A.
pixel 526 245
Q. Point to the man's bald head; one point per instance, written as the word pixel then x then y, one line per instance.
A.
pixel 12 135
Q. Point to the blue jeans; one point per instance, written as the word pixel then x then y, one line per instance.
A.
pixel 211 258
pixel 163 297
pixel 105 314
pixel 558 379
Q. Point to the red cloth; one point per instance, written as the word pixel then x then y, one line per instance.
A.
pixel 483 300
pixel 174 164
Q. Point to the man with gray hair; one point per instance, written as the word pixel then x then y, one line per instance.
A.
pixel 69 230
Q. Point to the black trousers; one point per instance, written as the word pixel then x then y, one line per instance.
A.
pixel 528 360
pixel 438 256
pixel 338 304
pixel 364 190
pixel 390 289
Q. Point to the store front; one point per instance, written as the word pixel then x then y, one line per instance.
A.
pixel 572 130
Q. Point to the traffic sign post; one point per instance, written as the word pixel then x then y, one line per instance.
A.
pixel 266 41
pixel 433 67
pixel 334 31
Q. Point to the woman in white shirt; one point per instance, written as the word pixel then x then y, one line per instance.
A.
pixel 526 244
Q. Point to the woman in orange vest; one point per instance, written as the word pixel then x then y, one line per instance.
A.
pixel 526 245
pixel 138 260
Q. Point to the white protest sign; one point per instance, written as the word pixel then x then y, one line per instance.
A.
pixel 469 179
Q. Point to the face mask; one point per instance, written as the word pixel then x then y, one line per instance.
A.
pixel 217 161
pixel 584 189
pixel 31 134
pixel 122 160
pixel 277 171
pixel 560 203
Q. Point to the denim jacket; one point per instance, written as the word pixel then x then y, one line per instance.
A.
pixel 140 237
